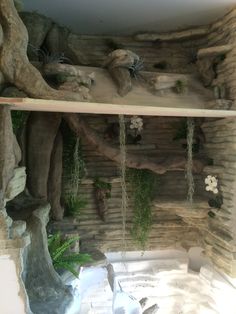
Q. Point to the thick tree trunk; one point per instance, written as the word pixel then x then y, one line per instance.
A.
pixel 42 131
pixel 14 62
pixel 161 165
pixel 55 178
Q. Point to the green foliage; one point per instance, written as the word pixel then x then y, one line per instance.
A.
pixel 61 78
pixel 18 119
pixel 181 133
pixel 62 258
pixel 73 161
pixel 180 87
pixel 102 185
pixel 144 183
pixel 216 202
pixel 74 205
pixel 211 214
pixel 182 129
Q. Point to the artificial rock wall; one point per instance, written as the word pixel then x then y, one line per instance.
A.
pixel 169 230
pixel 220 239
pixel 179 56
pixel 218 233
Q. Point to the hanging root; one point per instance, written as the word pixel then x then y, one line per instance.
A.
pixel 123 177
pixel 189 166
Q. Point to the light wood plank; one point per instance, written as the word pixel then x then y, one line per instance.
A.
pixel 30 104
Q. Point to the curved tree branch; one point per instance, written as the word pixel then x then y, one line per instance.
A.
pixel 161 165
pixel 14 62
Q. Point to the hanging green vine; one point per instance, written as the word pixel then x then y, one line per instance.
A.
pixel 74 170
pixel 144 184
pixel 18 119
pixel 73 161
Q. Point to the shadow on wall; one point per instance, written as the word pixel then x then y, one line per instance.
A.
pixel 197 259
pixel 124 17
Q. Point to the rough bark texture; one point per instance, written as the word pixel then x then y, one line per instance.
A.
pixel 121 76
pixel 206 70
pixel 15 65
pixel 118 63
pixel 7 156
pixel 37 26
pixel 160 166
pixel 42 131
pixel 54 179
pixel 101 201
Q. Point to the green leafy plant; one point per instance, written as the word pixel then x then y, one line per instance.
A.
pixel 73 161
pixel 75 204
pixel 62 258
pixel 211 214
pixel 180 87
pixel 144 183
pixel 102 185
pixel 216 202
pixel 18 119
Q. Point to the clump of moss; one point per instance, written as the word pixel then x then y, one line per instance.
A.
pixel 104 186
pixel 180 87
pixel 62 258
pixel 18 119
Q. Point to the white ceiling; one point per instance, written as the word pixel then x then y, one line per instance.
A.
pixel 129 16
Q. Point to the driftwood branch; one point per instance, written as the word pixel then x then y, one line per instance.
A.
pixel 161 165
pixel 118 63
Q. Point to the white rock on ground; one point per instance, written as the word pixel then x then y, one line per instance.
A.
pixel 166 281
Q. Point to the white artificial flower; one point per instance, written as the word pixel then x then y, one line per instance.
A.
pixel 208 180
pixel 214 184
pixel 211 184
pixel 136 122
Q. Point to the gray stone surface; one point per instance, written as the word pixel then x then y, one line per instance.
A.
pixel 47 293
pixel 7 158
pixel 16 184
pixel 37 26
pixel 18 229
pixel 13 91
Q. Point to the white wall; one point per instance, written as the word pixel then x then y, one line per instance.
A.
pixel 128 16
pixel 10 300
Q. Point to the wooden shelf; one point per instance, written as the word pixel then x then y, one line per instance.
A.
pixel 214 51
pixel 30 104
